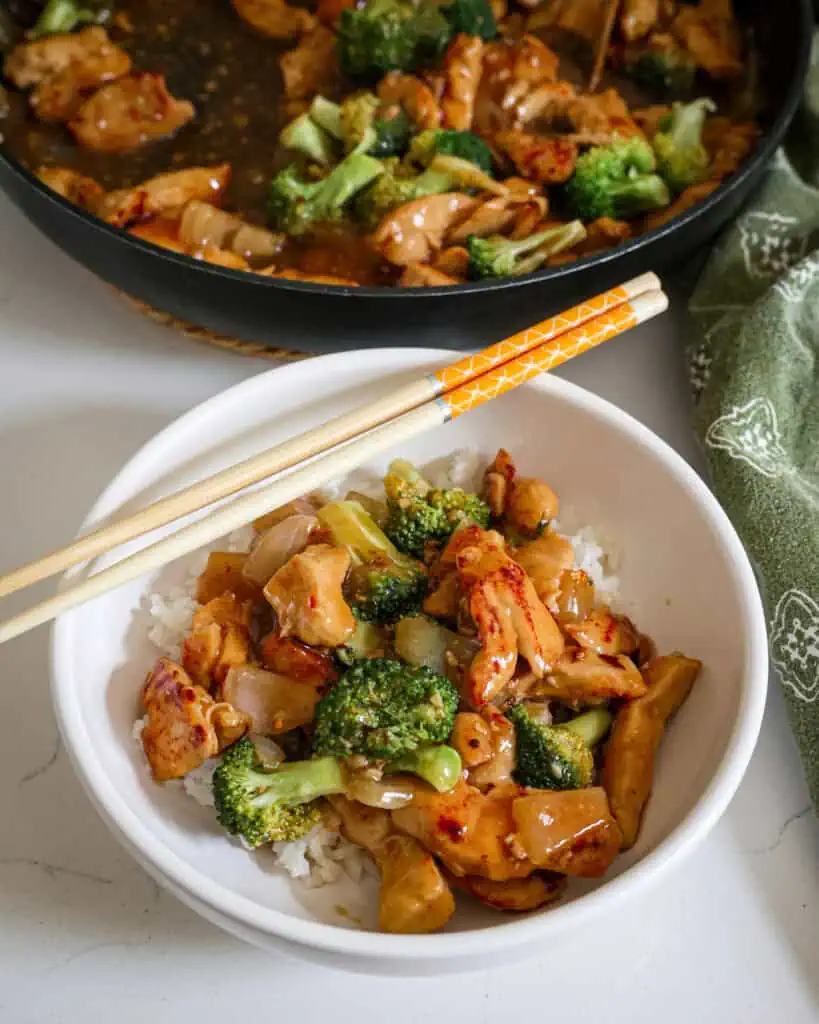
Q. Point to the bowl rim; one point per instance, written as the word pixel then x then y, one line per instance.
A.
pixel 339 939
pixel 751 166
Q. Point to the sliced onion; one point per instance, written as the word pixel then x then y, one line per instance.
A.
pixel 422 641
pixel 276 546
pixel 276 704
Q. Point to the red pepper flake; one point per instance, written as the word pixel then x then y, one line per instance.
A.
pixel 452 828
pixel 311 601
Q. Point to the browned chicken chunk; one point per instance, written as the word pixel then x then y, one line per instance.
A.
pixel 413 96
pixel 223 575
pixel 463 65
pixel 166 193
pixel 628 764
pixel 710 33
pixel 128 113
pixel 413 232
pixel 312 66
pixel 544 560
pixel 218 640
pixel 275 18
pixel 510 618
pixel 72 185
pixel 605 633
pixel 546 159
pixel 638 18
pixel 516 894
pixel 306 596
pixel 185 725
pixel 497 480
pixel 531 505
pixel 584 677
pixel 292 658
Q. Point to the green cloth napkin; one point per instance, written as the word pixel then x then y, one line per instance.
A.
pixel 753 357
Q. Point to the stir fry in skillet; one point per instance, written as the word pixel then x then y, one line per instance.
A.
pixel 393 142
pixel 430 675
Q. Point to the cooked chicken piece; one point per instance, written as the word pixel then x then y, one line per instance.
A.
pixel 729 143
pixel 497 480
pixel 452 261
pixel 223 575
pixel 544 560
pixel 128 113
pixel 306 596
pixel 690 197
pixel 444 601
pixel 533 61
pixel 500 764
pixel 584 677
pixel 602 234
pixel 638 18
pixel 628 764
pixel 204 224
pixel 491 217
pixel 499 9
pixel 530 505
pixel 163 194
pixel 275 18
pixel 274 703
pixel 580 17
pixel 58 96
pixel 463 66
pixel 649 118
pixel 161 232
pixel 413 232
pixel 72 185
pixel 422 275
pixel 510 618
pixel 291 658
pixel 516 894
pixel 413 96
pixel 603 113
pixel 511 72
pixel 572 832
pixel 414 896
pixel 528 217
pixel 472 738
pixel 329 11
pixel 300 507
pixel 605 633
pixel 471 832
pixel 711 35
pixel 185 725
pixel 575 598
pixel 32 63
pixel 301 275
pixel 312 66
pixel 547 102
pixel 219 639
pixel 549 160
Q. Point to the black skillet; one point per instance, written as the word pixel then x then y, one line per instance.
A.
pixel 317 317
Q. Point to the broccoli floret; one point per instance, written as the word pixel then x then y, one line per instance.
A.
pixel 497 256
pixel 396 187
pixel 295 205
pixel 306 137
pixel 384 585
pixel 418 513
pixel 463 145
pixel 262 805
pixel 390 35
pixel 472 17
pixel 60 16
pixel 617 181
pixel 384 709
pixel 557 756
pixel 440 766
pixel 365 129
pixel 682 160
pixel 666 74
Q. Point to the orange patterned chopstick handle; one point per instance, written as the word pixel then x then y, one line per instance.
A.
pixel 547 356
pixel 519 344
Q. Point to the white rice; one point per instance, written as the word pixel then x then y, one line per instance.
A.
pixel 323 856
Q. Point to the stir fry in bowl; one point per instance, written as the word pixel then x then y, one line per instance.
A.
pixel 383 142
pixel 433 681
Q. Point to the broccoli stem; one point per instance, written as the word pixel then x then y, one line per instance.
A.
pixel 60 16
pixel 439 766
pixel 688 121
pixel 639 194
pixel 349 177
pixel 327 115
pixel 299 782
pixel 547 243
pixel 308 138
pixel 591 726
pixel 355 529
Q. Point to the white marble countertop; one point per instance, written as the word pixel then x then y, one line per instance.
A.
pixel 731 937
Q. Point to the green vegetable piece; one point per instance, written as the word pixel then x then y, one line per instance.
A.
pixel 307 138
pixel 418 513
pixel 440 766
pixel 617 181
pixel 472 17
pixel 682 160
pixel 263 805
pixel 295 205
pixel 557 756
pixel 464 145
pixel 497 256
pixel 327 115
pixel 667 74
pixel 390 35
pixel 60 16
pixel 366 642
pixel 384 584
pixel 384 709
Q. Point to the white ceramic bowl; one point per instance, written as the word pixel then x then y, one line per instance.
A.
pixel 684 576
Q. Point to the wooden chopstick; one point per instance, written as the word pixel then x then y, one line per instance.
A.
pixel 612 7
pixel 473 392
pixel 321 439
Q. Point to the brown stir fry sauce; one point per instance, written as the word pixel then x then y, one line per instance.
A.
pixel 523 94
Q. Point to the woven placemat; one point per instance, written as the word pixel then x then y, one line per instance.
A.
pixel 207 337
